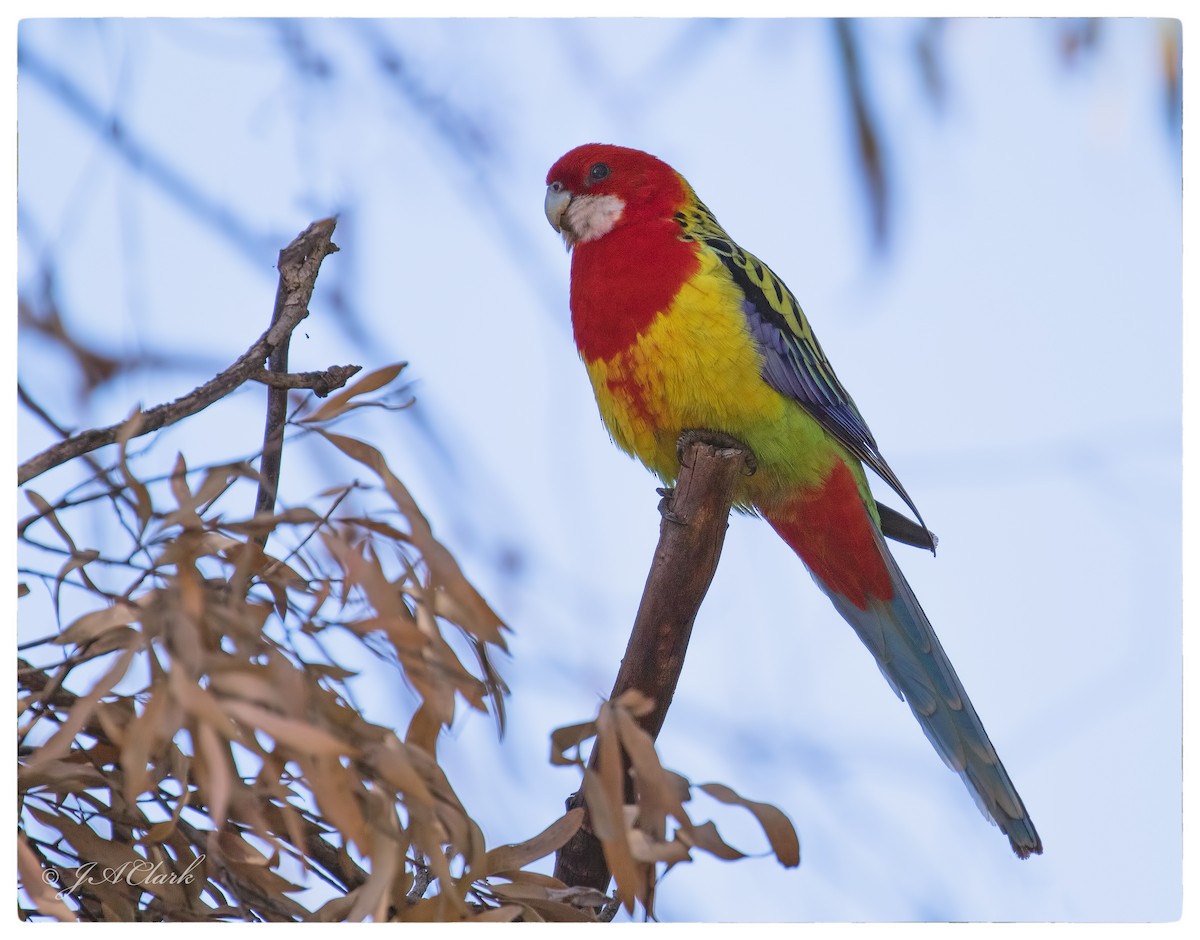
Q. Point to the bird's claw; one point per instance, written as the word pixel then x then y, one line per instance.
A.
pixel 664 505
pixel 720 439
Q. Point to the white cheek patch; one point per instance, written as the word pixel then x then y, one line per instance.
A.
pixel 590 217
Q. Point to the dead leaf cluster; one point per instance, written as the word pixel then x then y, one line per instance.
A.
pixel 636 806
pixel 186 725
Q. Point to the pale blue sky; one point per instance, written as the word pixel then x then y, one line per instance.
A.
pixel 1016 352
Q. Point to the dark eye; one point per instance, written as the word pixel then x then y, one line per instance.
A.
pixel 598 172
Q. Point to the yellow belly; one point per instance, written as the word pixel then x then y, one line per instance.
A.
pixel 697 366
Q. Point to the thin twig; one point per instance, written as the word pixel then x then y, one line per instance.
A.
pixel 117 492
pixel 299 263
pixel 270 463
pixel 692 532
pixel 422 879
pixel 305 254
pixel 321 383
pixel 25 399
pixel 320 524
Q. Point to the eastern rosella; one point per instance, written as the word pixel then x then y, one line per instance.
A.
pixel 679 329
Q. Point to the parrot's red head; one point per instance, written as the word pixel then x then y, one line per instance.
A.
pixel 596 188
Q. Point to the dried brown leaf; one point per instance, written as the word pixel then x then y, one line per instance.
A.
pixel 375 525
pixel 218 479
pixel 76 562
pixel 373 898
pixel 423 730
pixel 658 794
pixel 550 839
pixel 204 707
pixel 258 869
pixel 86 843
pixel 579 897
pixel 646 849
pixel 60 742
pixel 112 717
pixel 363 569
pixel 482 621
pixel 214 773
pixel 337 404
pixel 118 639
pixel 60 776
pixel 237 850
pixel 143 505
pixel 186 515
pixel 248 682
pixel 264 522
pixel 537 899
pixel 38 885
pixel 161 831
pixel 46 511
pixel 87 628
pixel 159 721
pixel 705 836
pixel 636 702
pixel 337 794
pixel 425 911
pixel 529 877
pixel 187 546
pixel 780 832
pixel 437 816
pixel 117 909
pixel 608 824
pixel 335 909
pixel 300 736
pixel 567 738
pixel 522 892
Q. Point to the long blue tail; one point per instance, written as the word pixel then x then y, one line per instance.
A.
pixel 899 635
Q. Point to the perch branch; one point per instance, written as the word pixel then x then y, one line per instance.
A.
pixel 298 266
pixel 694 519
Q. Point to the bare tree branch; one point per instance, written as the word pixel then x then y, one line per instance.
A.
pixel 138 155
pixel 321 383
pixel 298 267
pixel 694 519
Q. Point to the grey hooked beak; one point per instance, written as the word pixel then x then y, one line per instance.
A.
pixel 557 200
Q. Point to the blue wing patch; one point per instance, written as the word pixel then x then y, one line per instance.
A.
pixel 793 362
